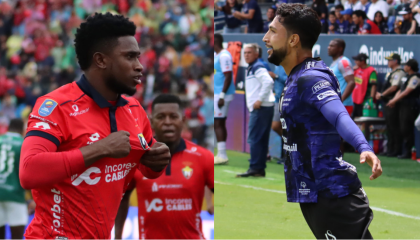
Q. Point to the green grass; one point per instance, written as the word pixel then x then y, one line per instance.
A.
pixel 246 209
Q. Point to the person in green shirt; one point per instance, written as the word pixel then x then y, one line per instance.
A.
pixel 13 208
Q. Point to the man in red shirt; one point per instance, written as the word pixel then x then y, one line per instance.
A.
pixel 364 25
pixel 84 140
pixel 174 200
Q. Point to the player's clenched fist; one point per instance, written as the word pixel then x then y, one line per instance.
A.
pixel 157 158
pixel 116 144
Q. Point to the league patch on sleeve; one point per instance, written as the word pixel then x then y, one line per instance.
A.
pixel 47 107
pixel 320 85
pixel 143 141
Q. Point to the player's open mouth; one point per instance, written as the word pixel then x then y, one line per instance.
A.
pixel 269 49
pixel 137 79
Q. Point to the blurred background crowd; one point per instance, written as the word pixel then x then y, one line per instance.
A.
pixel 337 16
pixel 175 37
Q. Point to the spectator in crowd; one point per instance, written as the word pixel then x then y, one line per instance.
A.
pixel 364 25
pixel 364 6
pixel 252 13
pixel 353 5
pixel 36 48
pixel 409 26
pixel 389 89
pixel 365 78
pixel 332 23
pixel 321 6
pixel 343 25
pixel 260 103
pixel 233 25
pixel 380 22
pixel 324 22
pixel 408 95
pixel 352 28
pixel 271 14
pixel 378 5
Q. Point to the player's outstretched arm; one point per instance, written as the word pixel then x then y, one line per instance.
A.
pixel 338 116
pixel 122 214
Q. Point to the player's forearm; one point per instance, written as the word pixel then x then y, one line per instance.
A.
pixel 373 91
pixel 389 90
pixel 228 80
pixel 337 115
pixel 348 91
pixel 93 153
pixel 41 166
pixel 402 95
pixel 122 215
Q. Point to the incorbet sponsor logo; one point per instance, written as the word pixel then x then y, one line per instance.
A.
pixel 56 211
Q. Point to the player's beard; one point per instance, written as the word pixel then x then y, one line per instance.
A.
pixel 119 87
pixel 277 56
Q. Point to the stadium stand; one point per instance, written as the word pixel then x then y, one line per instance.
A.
pixel 37 53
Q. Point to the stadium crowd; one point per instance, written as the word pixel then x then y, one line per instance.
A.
pixel 337 17
pixel 37 53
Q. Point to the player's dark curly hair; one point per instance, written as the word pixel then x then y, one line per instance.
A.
pixel 301 20
pixel 166 98
pixel 100 32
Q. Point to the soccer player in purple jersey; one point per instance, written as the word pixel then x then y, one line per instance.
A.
pixel 313 118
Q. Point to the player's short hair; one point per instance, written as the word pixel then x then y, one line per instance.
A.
pixel 254 46
pixel 100 32
pixel 360 13
pixel 16 125
pixel 219 39
pixel 340 42
pixel 166 98
pixel 332 13
pixel 301 20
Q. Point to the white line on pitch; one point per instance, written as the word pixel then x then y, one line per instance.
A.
pixel 277 191
pixel 228 171
pixel 394 213
pixel 252 187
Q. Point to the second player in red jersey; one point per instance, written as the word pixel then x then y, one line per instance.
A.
pixel 173 200
pixel 84 140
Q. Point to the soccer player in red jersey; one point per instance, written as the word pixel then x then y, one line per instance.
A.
pixel 170 206
pixel 85 140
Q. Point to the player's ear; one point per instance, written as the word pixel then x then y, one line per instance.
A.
pixel 294 40
pixel 99 59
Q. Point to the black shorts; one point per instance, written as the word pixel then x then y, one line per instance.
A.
pixel 357 110
pixel 340 218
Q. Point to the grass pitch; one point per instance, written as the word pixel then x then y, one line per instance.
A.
pixel 250 208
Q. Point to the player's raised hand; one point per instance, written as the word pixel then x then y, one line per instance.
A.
pixel 374 162
pixel 157 158
pixel 117 144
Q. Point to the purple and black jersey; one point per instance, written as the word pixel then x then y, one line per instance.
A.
pixel 314 165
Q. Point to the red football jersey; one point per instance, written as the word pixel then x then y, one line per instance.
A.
pixel 170 206
pixel 85 205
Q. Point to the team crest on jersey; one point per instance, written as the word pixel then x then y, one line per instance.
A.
pixel 187 172
pixel 47 107
pixel 143 141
